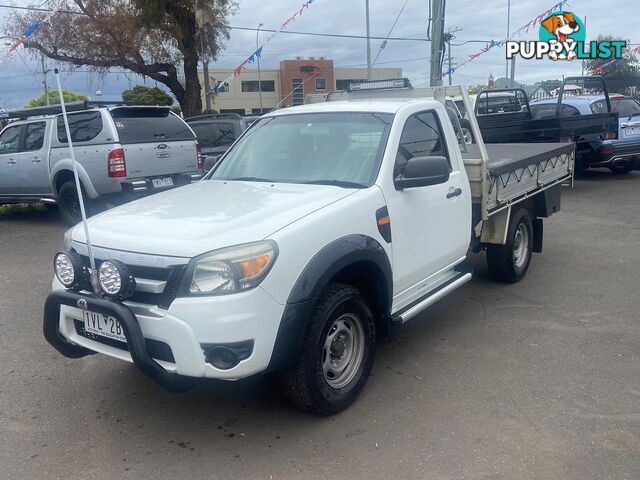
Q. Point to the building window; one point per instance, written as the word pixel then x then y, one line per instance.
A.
pixel 252 86
pixel 223 88
pixel 344 84
pixel 321 83
pixel 297 91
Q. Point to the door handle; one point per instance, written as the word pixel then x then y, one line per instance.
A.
pixel 11 162
pixel 36 160
pixel 455 193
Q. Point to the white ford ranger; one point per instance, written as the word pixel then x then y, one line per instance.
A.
pixel 322 225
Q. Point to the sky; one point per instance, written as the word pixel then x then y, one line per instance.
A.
pixel 483 20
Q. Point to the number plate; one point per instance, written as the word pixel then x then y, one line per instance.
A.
pixel 631 131
pixel 103 325
pixel 162 182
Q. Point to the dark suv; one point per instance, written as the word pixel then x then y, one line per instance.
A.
pixel 216 133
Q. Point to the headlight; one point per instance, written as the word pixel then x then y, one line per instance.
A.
pixel 115 279
pixel 70 271
pixel 230 270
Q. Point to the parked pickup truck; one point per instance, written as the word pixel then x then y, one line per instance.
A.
pixel 325 224
pixel 505 116
pixel 620 155
pixel 123 152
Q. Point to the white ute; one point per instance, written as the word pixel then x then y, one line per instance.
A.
pixel 322 226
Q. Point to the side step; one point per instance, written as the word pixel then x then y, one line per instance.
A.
pixel 432 297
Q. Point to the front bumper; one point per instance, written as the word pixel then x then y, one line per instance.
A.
pixel 171 346
pixel 617 152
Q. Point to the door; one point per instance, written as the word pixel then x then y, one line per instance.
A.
pixel 9 167
pixel 34 175
pixel 430 225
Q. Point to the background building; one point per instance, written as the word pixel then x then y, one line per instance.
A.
pixel 289 85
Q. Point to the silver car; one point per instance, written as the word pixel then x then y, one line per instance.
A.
pixel 123 152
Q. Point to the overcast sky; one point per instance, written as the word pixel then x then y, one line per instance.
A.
pixel 485 20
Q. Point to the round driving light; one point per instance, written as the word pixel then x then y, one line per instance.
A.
pixel 69 270
pixel 115 279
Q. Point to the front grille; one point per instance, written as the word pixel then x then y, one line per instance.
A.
pixel 156 349
pixel 172 275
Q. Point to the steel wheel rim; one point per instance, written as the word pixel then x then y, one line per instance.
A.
pixel 466 135
pixel 521 246
pixel 343 350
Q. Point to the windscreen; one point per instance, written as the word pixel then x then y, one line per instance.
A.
pixel 143 125
pixel 324 148
pixel 211 135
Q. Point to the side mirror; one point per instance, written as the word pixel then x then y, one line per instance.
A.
pixel 423 171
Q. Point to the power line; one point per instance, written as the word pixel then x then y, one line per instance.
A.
pixel 384 43
pixel 249 29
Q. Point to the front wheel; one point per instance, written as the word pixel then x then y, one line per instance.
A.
pixel 509 263
pixel 337 353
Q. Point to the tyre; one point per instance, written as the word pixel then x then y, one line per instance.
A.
pixel 509 263
pixel 467 134
pixel 621 169
pixel 69 204
pixel 337 353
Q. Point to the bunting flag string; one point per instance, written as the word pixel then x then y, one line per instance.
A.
pixel 30 30
pixel 521 31
pixel 258 53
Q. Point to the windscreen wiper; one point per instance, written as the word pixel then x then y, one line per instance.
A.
pixel 246 179
pixel 336 183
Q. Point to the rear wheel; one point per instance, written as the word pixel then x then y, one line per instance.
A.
pixel 509 263
pixel 337 353
pixel 621 168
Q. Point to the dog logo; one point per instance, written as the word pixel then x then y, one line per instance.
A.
pixel 563 30
pixel 562 36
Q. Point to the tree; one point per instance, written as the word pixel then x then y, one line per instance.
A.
pixel 147 37
pixel 476 89
pixel 626 66
pixel 147 96
pixel 54 98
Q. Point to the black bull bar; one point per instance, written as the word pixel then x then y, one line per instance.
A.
pixel 132 332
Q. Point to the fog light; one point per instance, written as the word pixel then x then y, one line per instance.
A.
pixel 227 356
pixel 69 270
pixel 115 279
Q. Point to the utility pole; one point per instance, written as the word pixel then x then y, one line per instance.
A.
pixel 368 41
pixel 447 37
pixel 44 79
pixel 437 42
pixel 259 74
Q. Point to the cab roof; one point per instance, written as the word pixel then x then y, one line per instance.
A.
pixel 378 105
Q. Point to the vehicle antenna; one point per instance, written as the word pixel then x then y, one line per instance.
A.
pixel 92 261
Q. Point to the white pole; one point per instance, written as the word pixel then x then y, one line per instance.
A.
pixel 92 261
pixel 368 41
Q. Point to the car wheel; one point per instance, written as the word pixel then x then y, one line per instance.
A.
pixel 337 353
pixel 621 169
pixel 509 263
pixel 69 204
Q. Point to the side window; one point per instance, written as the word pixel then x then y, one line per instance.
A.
pixel 34 136
pixel 421 137
pixel 568 111
pixel 10 140
pixel 84 126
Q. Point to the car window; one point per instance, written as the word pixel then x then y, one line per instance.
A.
pixel 547 110
pixel 626 107
pixel 599 106
pixel 34 136
pixel 421 137
pixel 10 140
pixel 212 135
pixel 84 126
pixel 143 125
